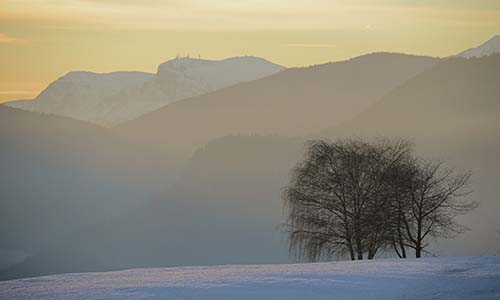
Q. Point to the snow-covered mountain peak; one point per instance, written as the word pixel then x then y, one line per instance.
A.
pixel 112 98
pixel 189 63
pixel 214 74
pixel 183 63
pixel 489 47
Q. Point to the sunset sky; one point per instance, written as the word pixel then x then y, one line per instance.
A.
pixel 41 40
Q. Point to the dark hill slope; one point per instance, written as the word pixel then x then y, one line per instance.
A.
pixel 59 175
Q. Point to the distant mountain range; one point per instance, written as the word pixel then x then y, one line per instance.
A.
pixel 198 181
pixel 109 99
pixel 278 104
pixel 293 102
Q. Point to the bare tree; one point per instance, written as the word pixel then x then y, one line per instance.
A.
pixel 337 198
pixel 429 201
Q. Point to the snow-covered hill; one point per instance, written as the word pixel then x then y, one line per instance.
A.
pixel 83 95
pixel 431 278
pixel 112 98
pixel 489 47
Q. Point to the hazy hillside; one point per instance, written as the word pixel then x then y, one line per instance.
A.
pixel 226 205
pixel 293 102
pixel 109 99
pixel 76 151
pixel 60 175
pixel 451 112
pixel 223 210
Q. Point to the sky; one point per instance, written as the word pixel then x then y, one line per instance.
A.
pixel 41 40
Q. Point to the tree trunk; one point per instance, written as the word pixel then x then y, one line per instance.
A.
pixel 418 246
pixel 401 244
pixel 351 252
pixel 395 246
pixel 400 234
pixel 351 249
pixel 403 251
pixel 418 251
pixel 371 254
pixel 359 249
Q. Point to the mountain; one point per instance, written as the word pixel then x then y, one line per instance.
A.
pixel 60 175
pixel 292 102
pixel 489 47
pixel 226 206
pixel 451 113
pixel 137 235
pixel 109 99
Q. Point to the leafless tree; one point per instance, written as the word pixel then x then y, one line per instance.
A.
pixel 337 199
pixel 428 200
pixel 356 197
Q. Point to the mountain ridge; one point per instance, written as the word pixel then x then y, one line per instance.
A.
pixel 296 101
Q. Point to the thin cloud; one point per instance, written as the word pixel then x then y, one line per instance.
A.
pixel 17 92
pixel 6 39
pixel 230 15
pixel 298 45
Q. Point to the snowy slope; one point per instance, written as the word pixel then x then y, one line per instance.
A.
pixel 431 278
pixel 109 99
pixel 489 47
pixel 80 95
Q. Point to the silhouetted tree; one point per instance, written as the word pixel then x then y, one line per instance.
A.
pixel 357 197
pixel 434 196
pixel 337 198
pixel 398 189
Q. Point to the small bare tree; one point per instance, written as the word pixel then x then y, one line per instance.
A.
pixel 429 201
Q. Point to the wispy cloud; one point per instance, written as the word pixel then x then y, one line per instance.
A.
pixel 6 39
pixel 247 15
pixel 306 45
pixel 17 92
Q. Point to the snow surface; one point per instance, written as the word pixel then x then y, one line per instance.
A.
pixel 429 278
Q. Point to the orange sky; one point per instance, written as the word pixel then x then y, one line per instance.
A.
pixel 42 40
